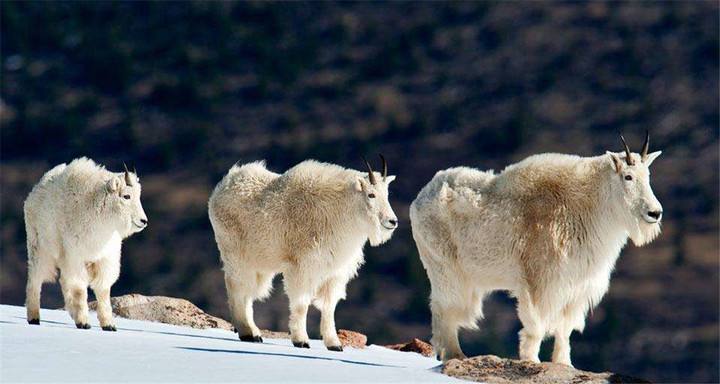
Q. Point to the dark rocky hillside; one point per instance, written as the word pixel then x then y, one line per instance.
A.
pixel 185 89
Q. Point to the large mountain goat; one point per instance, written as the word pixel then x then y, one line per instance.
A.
pixel 76 218
pixel 548 229
pixel 310 224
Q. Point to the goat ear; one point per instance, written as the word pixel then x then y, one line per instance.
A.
pixel 359 184
pixel 113 185
pixel 390 179
pixel 651 157
pixel 617 161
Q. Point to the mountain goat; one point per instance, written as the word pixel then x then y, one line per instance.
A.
pixel 76 218
pixel 548 229
pixel 310 224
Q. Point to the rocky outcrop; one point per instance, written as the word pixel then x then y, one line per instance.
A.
pixel 352 338
pixel 172 310
pixel 415 345
pixel 495 370
pixel 163 309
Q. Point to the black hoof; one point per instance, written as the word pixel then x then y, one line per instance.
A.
pixel 34 321
pixel 251 339
pixel 110 328
pixel 301 344
pixel 82 326
pixel 335 349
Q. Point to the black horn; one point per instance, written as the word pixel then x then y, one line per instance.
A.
pixel 628 159
pixel 128 181
pixel 371 175
pixel 646 146
pixel 384 166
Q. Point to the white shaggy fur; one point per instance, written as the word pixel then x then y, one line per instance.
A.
pixel 310 224
pixel 548 229
pixel 76 218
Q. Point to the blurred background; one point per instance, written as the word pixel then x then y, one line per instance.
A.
pixel 183 90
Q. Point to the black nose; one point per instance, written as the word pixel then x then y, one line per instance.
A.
pixel 655 214
pixel 393 222
pixel 144 221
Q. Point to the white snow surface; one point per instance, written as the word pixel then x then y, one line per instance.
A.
pixel 142 351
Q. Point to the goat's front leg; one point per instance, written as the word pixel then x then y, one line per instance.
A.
pixel 561 350
pixel 74 283
pixel 298 322
pixel 533 331
pixel 328 296
pixel 103 274
pixel 572 317
pixel 104 309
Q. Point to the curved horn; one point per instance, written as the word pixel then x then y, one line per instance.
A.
pixel 646 146
pixel 128 180
pixel 384 165
pixel 371 175
pixel 628 159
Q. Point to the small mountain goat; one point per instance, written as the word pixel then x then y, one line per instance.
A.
pixel 549 229
pixel 76 218
pixel 310 224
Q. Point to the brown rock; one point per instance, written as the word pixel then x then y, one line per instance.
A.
pixel 415 345
pixel 162 309
pixel 496 370
pixel 171 310
pixel 352 339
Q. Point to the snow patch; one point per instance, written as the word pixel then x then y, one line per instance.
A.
pixel 141 351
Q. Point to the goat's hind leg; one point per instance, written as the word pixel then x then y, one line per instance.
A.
pixel 298 289
pixel 449 305
pixel 243 288
pixel 40 270
pixel 450 315
pixel 445 326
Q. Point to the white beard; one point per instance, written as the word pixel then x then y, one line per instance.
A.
pixel 380 235
pixel 643 232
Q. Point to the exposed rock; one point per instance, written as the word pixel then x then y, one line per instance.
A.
pixel 414 345
pixel 172 310
pixel 352 339
pixel 496 370
pixel 163 309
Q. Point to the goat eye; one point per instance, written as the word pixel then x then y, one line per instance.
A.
pixel 126 197
pixel 372 195
pixel 628 177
